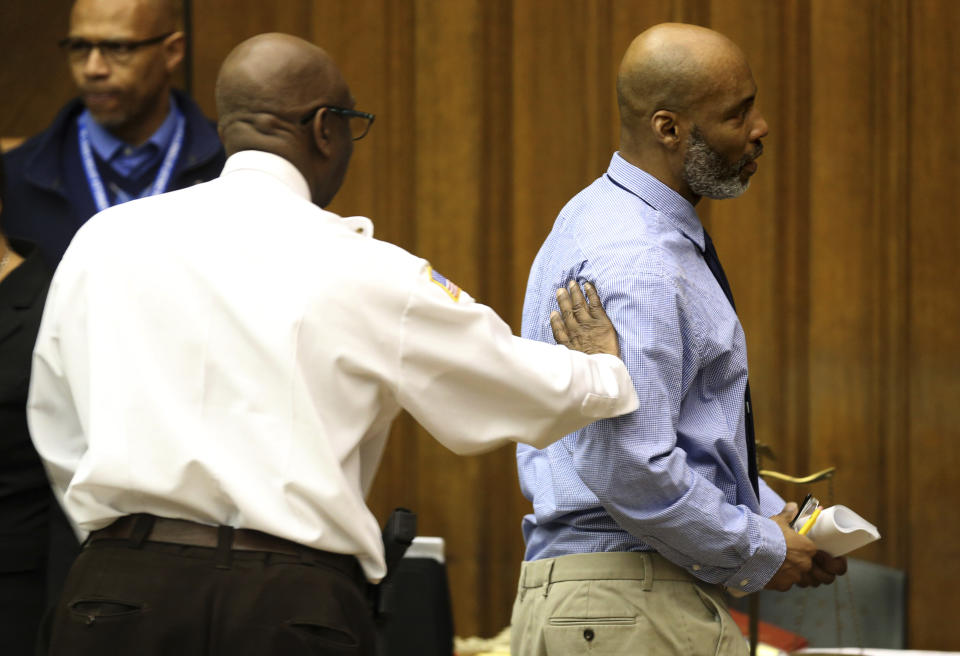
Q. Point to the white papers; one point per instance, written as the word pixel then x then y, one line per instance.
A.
pixel 838 530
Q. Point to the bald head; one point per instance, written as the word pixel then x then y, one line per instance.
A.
pixel 687 111
pixel 673 66
pixel 265 85
pixel 266 92
pixel 149 16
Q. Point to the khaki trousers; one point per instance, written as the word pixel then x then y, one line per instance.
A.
pixel 619 603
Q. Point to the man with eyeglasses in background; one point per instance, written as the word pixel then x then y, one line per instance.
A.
pixel 213 409
pixel 127 135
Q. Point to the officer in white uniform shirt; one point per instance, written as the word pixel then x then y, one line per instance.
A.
pixel 216 374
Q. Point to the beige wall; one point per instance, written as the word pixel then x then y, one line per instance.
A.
pixel 492 113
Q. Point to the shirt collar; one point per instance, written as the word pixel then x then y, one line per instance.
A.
pixel 275 166
pixel 672 206
pixel 107 146
pixel 289 176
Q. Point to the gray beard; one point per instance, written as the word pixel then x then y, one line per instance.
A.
pixel 708 175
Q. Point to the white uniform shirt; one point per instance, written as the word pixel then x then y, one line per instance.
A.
pixel 232 354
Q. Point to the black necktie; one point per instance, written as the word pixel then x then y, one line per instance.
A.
pixel 710 255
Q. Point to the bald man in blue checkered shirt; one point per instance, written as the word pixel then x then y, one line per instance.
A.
pixel 639 522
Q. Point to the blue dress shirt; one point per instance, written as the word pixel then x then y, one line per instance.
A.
pixel 672 476
pixel 127 160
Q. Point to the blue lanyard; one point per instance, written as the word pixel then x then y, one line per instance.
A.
pixel 163 175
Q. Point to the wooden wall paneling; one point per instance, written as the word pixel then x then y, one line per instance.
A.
pixel 890 59
pixel 791 131
pixel 562 111
pixel 843 262
pixel 34 77
pixel 448 128
pixel 933 170
pixel 500 515
pixel 691 11
pixel 495 248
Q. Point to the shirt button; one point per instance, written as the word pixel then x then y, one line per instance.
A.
pixel 744 582
pixel 588 634
pixel 696 568
pixel 128 151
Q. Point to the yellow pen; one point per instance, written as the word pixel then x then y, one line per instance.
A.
pixel 810 522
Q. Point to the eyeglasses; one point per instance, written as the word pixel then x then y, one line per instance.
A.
pixel 118 51
pixel 360 122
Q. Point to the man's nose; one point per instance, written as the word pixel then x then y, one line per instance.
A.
pixel 96 64
pixel 760 128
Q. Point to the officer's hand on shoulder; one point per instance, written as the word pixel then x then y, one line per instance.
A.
pixel 581 324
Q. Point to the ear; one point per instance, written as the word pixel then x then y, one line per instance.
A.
pixel 174 49
pixel 666 128
pixel 322 133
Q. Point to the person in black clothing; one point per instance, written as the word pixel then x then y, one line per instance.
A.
pixel 26 501
pixel 127 135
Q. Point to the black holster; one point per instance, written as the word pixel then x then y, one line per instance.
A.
pixel 398 534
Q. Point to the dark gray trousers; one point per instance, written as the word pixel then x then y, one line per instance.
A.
pixel 162 599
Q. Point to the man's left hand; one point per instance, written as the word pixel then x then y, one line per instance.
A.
pixel 581 326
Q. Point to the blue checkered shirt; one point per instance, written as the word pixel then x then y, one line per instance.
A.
pixel 672 476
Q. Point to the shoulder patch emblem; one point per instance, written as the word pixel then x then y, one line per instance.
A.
pixel 452 290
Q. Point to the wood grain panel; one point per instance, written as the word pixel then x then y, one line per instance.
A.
pixel 500 537
pixel 844 361
pixel 890 56
pixel 933 459
pixel 448 166
pixel 563 107
pixel 791 132
pixel 34 77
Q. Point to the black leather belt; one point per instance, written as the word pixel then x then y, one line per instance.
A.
pixel 148 528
